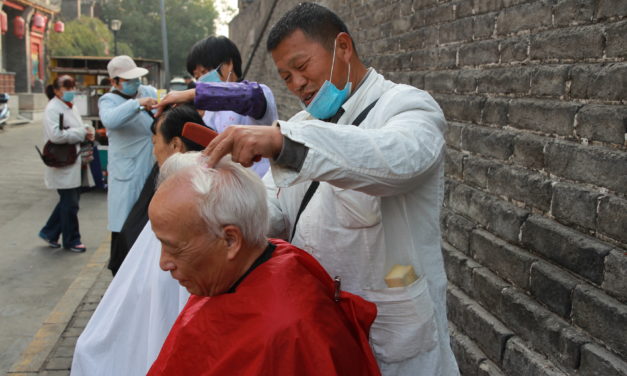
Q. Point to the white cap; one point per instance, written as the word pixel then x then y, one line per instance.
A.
pixel 124 67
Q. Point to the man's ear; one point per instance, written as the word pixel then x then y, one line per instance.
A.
pixel 234 241
pixel 344 47
pixel 178 145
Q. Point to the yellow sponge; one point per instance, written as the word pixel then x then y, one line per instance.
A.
pixel 400 275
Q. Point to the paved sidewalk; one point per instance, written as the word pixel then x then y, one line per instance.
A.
pixel 50 352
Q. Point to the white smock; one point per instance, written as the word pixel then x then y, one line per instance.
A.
pixel 221 120
pixel 378 204
pixel 69 176
pixel 126 332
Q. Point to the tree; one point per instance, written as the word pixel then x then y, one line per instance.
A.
pixel 187 21
pixel 85 36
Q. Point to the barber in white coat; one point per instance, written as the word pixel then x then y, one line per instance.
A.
pixel 130 156
pixel 69 179
pixel 381 184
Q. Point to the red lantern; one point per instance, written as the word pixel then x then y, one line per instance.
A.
pixel 4 22
pixel 18 27
pixel 38 21
pixel 59 27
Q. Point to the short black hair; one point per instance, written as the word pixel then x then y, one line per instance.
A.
pixel 172 122
pixel 314 20
pixel 213 51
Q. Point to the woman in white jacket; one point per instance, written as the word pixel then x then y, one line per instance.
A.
pixel 66 180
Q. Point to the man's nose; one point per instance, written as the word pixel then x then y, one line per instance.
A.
pixel 299 83
pixel 165 263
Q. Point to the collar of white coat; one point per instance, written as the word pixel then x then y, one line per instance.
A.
pixel 362 96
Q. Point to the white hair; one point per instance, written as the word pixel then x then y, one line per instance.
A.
pixel 228 194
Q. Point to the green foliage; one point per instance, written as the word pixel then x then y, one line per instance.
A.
pixel 85 36
pixel 187 22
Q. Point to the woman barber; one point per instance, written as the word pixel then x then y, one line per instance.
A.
pixel 63 125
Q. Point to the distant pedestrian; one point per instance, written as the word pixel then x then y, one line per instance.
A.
pixel 63 125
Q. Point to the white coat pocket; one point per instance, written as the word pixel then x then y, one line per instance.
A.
pixel 355 209
pixel 405 325
pixel 122 169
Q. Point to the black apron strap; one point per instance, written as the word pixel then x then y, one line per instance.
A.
pixel 314 184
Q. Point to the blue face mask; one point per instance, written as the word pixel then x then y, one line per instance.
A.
pixel 130 87
pixel 329 98
pixel 212 76
pixel 68 96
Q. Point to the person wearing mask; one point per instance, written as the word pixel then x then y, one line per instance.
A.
pixel 125 333
pixel 66 180
pixel 124 111
pixel 216 64
pixel 361 199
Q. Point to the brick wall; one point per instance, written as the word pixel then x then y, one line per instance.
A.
pixel 535 212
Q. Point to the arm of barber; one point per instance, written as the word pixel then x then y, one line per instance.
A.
pixel 245 98
pixel 380 160
pixel 114 115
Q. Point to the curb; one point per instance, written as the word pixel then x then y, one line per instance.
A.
pixel 35 354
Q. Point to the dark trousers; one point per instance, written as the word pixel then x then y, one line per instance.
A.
pixel 64 219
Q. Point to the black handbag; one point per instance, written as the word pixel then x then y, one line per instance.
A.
pixel 58 155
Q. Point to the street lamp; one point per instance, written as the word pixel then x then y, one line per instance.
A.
pixel 115 27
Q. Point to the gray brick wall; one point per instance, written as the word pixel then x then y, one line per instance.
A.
pixel 535 213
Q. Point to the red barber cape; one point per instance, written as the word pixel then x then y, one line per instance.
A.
pixel 281 320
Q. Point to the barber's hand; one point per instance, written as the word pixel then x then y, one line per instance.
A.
pixel 246 144
pixel 174 97
pixel 147 102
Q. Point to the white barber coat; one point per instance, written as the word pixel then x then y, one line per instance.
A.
pixel 130 156
pixel 378 204
pixel 70 176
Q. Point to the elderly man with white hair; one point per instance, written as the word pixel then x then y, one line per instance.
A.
pixel 258 306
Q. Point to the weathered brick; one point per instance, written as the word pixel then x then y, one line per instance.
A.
pixel 588 164
pixel 549 81
pixel 506 260
pixel 456 31
pixel 529 151
pixel 514 49
pixel 602 316
pixel 483 26
pixel 458 232
pixel 573 12
pixel 597 361
pixel 476 171
pixel 467 80
pixel 524 17
pixel 581 42
pixel 488 368
pixel 424 59
pixel 490 142
pixel 461 108
pixel 441 81
pixel 602 123
pixel 594 81
pixel 615 280
pixel 447 57
pixel 420 38
pixel 467 353
pixel 417 79
pixel 552 287
pixel 504 80
pixel 458 267
pixel 572 204
pixel 553 117
pixel 439 14
pixel 487 288
pixel 453 163
pixel 567 247
pixel 495 111
pixel 611 8
pixel 519 360
pixel 522 185
pixel 479 53
pixel 616 40
pixel 453 134
pixel 470 202
pixel 506 220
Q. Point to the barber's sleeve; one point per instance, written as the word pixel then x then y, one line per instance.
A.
pixel 277 219
pixel 377 160
pixel 245 98
pixel 115 115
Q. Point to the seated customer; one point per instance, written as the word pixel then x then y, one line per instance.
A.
pixel 257 307
pixel 125 333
